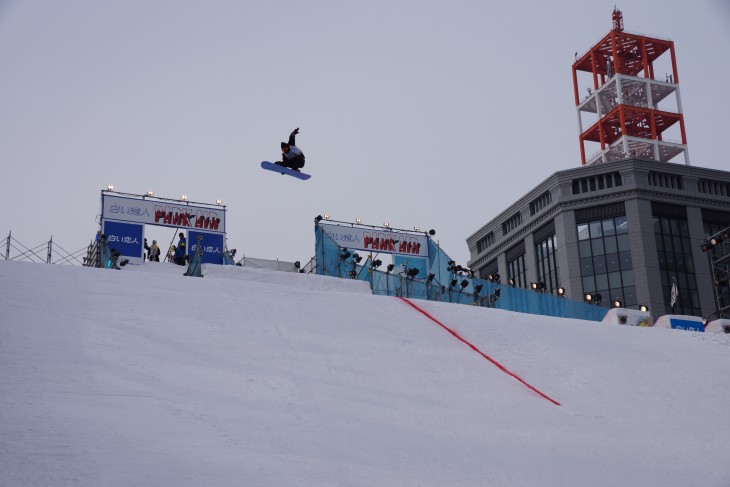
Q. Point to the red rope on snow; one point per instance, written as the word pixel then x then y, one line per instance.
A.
pixel 497 364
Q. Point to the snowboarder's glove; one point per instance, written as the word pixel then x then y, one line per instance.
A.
pixel 296 131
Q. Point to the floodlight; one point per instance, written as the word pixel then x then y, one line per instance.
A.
pixel 453 283
pixel 150 193
pixel 429 278
pixel 219 202
pixel 644 308
pixel 413 272
pixel 110 187
pixel 318 218
pixel 386 224
pixel 617 303
pixel 706 245
pixel 297 264
pixel 391 267
pixel 511 282
pixel 183 197
pixel 588 298
pixel 376 263
pixel 478 288
pixel 561 291
pixel 358 220
pixel 326 216
pixel 464 283
pixel 417 228
pixel 432 232
pixel 358 258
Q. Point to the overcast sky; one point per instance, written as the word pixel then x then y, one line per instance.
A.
pixel 436 114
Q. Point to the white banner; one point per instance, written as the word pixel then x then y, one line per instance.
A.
pixel 163 213
pixel 376 240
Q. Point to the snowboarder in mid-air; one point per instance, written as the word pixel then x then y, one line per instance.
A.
pixel 291 155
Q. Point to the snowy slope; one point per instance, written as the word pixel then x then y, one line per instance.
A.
pixel 250 377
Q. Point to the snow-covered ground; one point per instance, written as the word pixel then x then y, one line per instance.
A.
pixel 255 378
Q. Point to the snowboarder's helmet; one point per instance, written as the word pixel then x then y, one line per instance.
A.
pixel 154 241
pixel 284 144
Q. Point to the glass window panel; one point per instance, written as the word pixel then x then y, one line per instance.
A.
pixel 617 293
pixel 621 224
pixel 623 243
pixel 612 263
pixel 599 264
pixel 583 232
pixel 625 258
pixel 602 282
pixel 584 247
pixel 610 244
pixel 665 227
pixel 597 246
pixel 657 225
pixel 691 281
pixel 674 225
pixel 589 285
pixel 586 266
pixel 614 279
pixel 683 229
pixel 677 242
pixel 628 278
pixel 608 227
pixel 686 246
pixel 596 229
pixel 668 245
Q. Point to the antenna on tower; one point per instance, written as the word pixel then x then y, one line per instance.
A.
pixel 618 19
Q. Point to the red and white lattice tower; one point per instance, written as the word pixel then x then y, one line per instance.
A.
pixel 626 112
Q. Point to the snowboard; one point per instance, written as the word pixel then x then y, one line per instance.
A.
pixel 270 166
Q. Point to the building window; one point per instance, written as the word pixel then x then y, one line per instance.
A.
pixel 516 271
pixel 594 183
pixel 540 202
pixel 605 260
pixel 485 242
pixel 513 222
pixel 676 264
pixel 547 263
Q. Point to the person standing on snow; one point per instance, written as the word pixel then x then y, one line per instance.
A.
pixel 292 156
pixel 181 250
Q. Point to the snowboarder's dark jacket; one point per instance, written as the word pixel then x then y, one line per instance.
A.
pixel 295 157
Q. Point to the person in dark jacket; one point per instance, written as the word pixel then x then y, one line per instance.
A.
pixel 180 250
pixel 291 155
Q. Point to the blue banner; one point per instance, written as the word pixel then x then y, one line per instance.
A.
pixel 126 238
pixel 212 245
pixel 691 325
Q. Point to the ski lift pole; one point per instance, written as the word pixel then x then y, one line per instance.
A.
pixel 50 250
pixel 7 246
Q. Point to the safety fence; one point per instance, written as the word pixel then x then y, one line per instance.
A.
pixel 443 283
pixel 49 252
